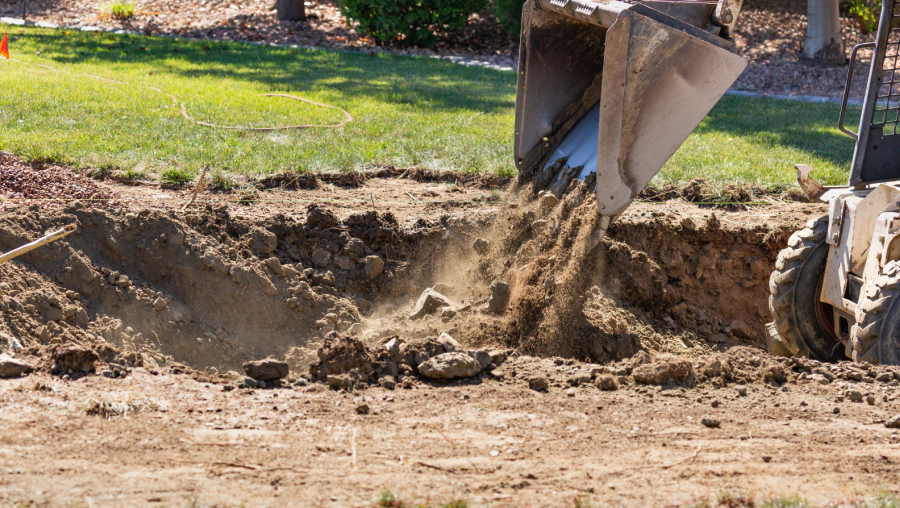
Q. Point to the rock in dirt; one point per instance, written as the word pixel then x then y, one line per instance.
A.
pixel 429 302
pixel 855 396
pixel 341 354
pixel 481 246
pixel 74 358
pixel 710 421
pixel 388 382
pixel 497 356
pixel 499 299
pixel 539 383
pixel 340 382
pixel 267 369
pixel 449 344
pixel 665 370
pixel 607 382
pixel 12 367
pixel 893 423
pixel 373 268
pixel 450 366
pixel 362 409
pixel 482 357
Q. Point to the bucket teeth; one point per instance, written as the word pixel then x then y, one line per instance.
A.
pixel 614 88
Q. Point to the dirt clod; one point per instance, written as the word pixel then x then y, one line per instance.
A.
pixel 665 370
pixel 266 370
pixel 12 367
pixel 73 358
pixel 710 421
pixel 539 383
pixel 450 366
pixel 607 382
pixel 499 298
pixel 340 355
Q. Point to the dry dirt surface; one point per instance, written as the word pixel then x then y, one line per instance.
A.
pixel 770 38
pixel 452 343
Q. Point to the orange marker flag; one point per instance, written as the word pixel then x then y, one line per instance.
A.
pixel 4 47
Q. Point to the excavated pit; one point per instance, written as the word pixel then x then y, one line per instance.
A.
pixel 210 290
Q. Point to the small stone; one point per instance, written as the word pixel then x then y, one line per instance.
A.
pixel 497 356
pixel 549 200
pixel 250 383
pixel 320 257
pixel 870 399
pixel 710 421
pixel 579 378
pixel 339 382
pixel 428 303
pixel 607 382
pixel 855 396
pixel 893 423
pixel 836 410
pixel 362 409
pixel 767 458
pixel 499 298
pixel 448 313
pixel 482 357
pixel 12 367
pixel 743 437
pixel 449 366
pixel 714 404
pixel 570 392
pixel 884 377
pixel 160 304
pixel 393 346
pixel 374 267
pixel 388 382
pixel 449 344
pixel 742 390
pixel 539 383
pixel 267 369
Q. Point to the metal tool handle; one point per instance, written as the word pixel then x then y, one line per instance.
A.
pixel 847 88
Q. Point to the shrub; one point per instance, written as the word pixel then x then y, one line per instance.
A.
pixel 866 12
pixel 410 22
pixel 176 177
pixel 509 13
pixel 121 10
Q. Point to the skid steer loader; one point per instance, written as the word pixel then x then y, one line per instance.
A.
pixel 608 90
pixel 835 291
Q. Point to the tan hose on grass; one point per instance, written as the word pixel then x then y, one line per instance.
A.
pixel 44 240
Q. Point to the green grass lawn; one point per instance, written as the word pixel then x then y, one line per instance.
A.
pixel 407 112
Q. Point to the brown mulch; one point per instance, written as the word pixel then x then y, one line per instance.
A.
pixel 48 185
pixel 771 38
pixel 254 21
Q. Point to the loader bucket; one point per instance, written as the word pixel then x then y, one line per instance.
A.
pixel 614 88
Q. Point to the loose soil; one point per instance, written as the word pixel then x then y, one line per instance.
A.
pixel 138 323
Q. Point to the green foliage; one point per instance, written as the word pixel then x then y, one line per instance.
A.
pixel 409 22
pixel 219 181
pixel 867 12
pixel 509 13
pixel 175 176
pixel 122 10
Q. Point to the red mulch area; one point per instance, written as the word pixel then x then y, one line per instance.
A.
pixel 47 185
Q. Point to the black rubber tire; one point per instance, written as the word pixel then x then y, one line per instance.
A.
pixel 876 335
pixel 794 289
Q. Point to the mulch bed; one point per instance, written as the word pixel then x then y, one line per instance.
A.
pixel 47 185
pixel 770 38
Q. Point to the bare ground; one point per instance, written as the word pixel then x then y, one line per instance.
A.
pixel 672 317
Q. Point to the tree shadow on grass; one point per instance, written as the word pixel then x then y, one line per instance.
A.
pixel 425 83
pixel 805 126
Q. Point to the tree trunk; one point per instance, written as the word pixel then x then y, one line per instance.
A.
pixel 823 41
pixel 290 10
